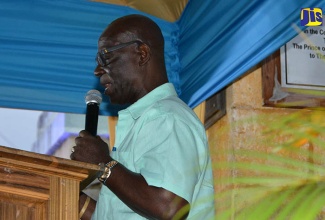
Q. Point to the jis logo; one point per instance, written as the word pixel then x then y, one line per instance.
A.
pixel 311 17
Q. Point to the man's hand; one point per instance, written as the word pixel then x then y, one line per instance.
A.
pixel 90 149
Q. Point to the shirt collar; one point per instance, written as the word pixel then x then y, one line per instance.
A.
pixel 161 92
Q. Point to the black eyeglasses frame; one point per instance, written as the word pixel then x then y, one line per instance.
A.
pixel 100 57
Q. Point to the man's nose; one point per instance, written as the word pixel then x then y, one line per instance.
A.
pixel 99 71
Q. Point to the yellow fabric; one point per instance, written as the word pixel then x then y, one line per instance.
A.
pixel 169 10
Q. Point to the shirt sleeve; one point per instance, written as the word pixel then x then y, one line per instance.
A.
pixel 172 155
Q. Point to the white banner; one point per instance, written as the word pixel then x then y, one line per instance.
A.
pixel 303 60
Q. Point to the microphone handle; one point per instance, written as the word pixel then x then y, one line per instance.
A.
pixel 92 118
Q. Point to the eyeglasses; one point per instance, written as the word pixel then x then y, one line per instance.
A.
pixel 100 57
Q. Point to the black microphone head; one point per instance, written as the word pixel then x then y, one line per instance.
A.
pixel 93 96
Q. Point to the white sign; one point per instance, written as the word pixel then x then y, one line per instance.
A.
pixel 303 60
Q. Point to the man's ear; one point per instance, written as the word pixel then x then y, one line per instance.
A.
pixel 145 54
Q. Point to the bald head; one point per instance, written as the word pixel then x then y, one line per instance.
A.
pixel 136 27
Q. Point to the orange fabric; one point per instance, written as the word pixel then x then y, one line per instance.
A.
pixel 169 10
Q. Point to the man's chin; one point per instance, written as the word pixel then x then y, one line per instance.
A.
pixel 116 101
pixel 113 102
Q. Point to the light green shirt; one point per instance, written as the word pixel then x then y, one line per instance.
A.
pixel 161 138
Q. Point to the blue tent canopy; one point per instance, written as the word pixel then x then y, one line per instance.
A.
pixel 47 47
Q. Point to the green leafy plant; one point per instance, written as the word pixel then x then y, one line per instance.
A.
pixel 282 178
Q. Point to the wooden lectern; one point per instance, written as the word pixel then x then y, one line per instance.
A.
pixel 40 187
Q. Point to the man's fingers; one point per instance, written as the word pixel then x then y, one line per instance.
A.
pixel 83 133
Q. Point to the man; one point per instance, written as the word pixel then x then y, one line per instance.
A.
pixel 160 166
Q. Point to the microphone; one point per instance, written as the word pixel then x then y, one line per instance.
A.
pixel 93 99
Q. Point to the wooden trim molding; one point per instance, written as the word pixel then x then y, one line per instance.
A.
pixel 275 95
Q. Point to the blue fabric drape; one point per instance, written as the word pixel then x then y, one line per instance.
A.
pixel 47 52
pixel 47 47
pixel 221 40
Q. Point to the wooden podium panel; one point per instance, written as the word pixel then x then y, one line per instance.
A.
pixel 40 187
